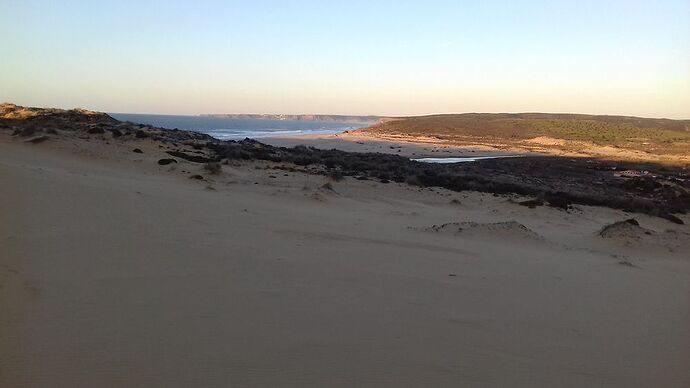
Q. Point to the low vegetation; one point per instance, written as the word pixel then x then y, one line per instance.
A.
pixel 654 136
pixel 559 182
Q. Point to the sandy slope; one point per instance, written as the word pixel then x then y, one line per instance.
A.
pixel 118 272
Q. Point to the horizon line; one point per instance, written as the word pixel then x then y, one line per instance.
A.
pixel 362 115
pixel 404 116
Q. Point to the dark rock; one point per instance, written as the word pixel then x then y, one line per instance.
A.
pixel 137 151
pixel 95 130
pixel 625 228
pixel 197 177
pixel 139 134
pixel 672 218
pixel 631 221
pixel 191 158
pixel 532 203
pixel 164 162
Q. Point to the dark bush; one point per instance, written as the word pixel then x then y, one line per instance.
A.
pixel 25 132
pixel 213 168
pixel 532 203
pixel 558 181
pixel 336 175
pixel 115 132
pixel 559 200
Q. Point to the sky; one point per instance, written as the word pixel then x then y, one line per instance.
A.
pixel 348 57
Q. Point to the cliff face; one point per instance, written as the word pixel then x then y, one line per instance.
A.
pixel 331 118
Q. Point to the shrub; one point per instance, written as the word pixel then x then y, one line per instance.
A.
pixel 213 168
pixel 336 175
pixel 413 180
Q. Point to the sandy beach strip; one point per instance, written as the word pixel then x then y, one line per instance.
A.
pixel 357 141
pixel 368 140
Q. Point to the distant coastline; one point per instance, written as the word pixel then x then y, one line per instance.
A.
pixel 228 127
pixel 305 117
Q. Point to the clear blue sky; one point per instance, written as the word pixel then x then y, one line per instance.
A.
pixel 350 57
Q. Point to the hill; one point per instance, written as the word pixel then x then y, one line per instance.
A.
pixel 16 112
pixel 644 137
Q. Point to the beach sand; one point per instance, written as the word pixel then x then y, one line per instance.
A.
pixel 119 272
pixel 369 140
pixel 360 141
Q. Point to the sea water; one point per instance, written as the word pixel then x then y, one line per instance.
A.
pixel 232 129
pixel 461 160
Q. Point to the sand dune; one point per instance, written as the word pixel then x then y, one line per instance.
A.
pixel 117 271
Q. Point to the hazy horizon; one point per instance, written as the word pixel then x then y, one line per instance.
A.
pixel 382 116
pixel 345 114
pixel 628 58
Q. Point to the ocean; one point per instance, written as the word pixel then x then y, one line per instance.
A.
pixel 233 129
